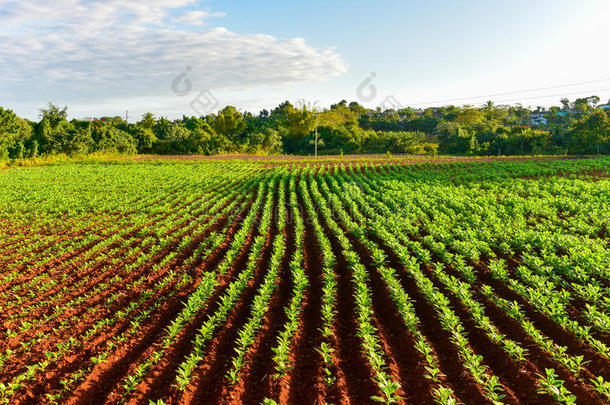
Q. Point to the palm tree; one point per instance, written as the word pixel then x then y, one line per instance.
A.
pixel 148 120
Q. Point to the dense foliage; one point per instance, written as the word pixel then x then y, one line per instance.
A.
pixel 574 128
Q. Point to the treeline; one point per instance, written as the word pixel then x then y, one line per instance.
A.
pixel 579 127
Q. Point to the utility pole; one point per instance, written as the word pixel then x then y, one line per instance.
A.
pixel 127 116
pixel 316 136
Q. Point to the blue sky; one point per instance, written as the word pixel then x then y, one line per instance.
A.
pixel 102 57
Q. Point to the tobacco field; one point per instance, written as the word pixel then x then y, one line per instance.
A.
pixel 336 281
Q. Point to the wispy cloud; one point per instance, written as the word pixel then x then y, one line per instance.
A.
pixel 196 17
pixel 95 50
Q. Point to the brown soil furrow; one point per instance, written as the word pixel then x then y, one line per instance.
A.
pixel 358 374
pixel 128 296
pixel 576 306
pixel 409 363
pixel 27 270
pixel 83 354
pixel 56 263
pixel 457 376
pixel 104 377
pixel 102 277
pixel 154 220
pixel 163 374
pixel 597 364
pixel 257 380
pixel 77 273
pixel 207 381
pixel 537 359
pixel 59 236
pixel 519 379
pixel 541 359
pixel 25 233
pixel 303 382
pixel 406 363
pixel 70 364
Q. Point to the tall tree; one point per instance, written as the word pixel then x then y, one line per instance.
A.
pixel 590 133
pixel 13 133
pixel 229 122
pixel 148 120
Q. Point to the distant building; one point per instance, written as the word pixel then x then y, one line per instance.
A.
pixel 537 119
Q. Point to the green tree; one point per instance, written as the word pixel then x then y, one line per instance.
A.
pixel 13 133
pixel 518 115
pixel 110 139
pixel 267 142
pixel 144 137
pixel 148 121
pixel 357 109
pixel 456 139
pixel 229 122
pixel 54 133
pixel 54 114
pixel 294 125
pixel 206 143
pixel 164 128
pixel 590 133
pixel 470 116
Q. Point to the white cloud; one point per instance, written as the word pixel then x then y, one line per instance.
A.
pixel 80 50
pixel 195 17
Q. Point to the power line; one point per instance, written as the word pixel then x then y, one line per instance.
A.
pixel 513 92
pixel 554 95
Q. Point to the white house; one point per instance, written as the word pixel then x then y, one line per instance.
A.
pixel 537 118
